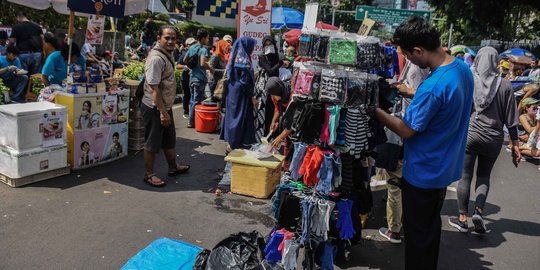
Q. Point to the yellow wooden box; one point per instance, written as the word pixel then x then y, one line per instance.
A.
pixel 253 177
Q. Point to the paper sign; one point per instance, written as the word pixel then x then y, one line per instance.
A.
pixel 54 128
pixel 366 27
pixel 310 16
pixel 255 20
pixel 94 31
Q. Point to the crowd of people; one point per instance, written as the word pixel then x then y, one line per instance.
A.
pixel 29 50
pixel 455 111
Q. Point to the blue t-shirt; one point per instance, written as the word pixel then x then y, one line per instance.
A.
pixel 198 72
pixel 55 67
pixel 439 113
pixel 5 63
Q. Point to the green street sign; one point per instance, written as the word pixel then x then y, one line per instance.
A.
pixel 389 16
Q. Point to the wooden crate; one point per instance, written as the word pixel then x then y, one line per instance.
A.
pixel 136 133
pixel 135 123
pixel 17 182
pixel 136 144
pixel 253 177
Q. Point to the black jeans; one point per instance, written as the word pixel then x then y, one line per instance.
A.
pixel 483 173
pixel 187 95
pixel 422 225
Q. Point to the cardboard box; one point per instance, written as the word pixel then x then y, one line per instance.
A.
pixel 254 177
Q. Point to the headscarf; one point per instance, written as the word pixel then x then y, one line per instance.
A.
pixel 468 59
pixel 273 58
pixel 486 77
pixel 240 56
pixel 221 47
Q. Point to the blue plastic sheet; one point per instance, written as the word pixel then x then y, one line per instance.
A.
pixel 164 254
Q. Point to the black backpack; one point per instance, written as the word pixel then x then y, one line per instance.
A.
pixel 191 61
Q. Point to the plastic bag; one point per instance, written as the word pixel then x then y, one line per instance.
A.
pixel 333 86
pixel 342 52
pixel 201 260
pixel 242 251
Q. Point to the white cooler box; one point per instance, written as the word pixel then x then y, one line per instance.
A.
pixel 32 125
pixel 17 164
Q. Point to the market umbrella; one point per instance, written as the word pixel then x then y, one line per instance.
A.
pixel 462 49
pixel 518 52
pixel 287 17
pixel 325 26
pixel 520 60
pixel 293 37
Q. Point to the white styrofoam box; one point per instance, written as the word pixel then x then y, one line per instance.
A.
pixel 23 125
pixel 17 164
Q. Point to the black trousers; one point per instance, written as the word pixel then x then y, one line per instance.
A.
pixel 422 226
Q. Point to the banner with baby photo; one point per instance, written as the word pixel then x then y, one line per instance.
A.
pixel 87 112
pixel 117 142
pixel 89 146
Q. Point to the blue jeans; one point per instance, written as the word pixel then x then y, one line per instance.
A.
pixel 196 88
pixel 17 84
pixel 31 62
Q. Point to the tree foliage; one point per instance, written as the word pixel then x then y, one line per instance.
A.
pixel 489 19
pixel 49 18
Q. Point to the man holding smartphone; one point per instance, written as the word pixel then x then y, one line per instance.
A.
pixel 434 129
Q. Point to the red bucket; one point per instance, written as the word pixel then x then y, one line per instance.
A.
pixel 206 118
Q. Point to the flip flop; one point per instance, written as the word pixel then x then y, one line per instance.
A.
pixel 148 180
pixel 178 171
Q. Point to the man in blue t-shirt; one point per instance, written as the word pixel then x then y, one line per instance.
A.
pixel 12 74
pixel 435 129
pixel 55 68
pixel 197 76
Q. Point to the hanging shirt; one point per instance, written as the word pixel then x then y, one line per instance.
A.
pixel 439 113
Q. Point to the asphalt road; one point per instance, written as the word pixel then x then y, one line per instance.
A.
pixel 100 217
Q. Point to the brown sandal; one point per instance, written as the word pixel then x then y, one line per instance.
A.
pixel 148 180
pixel 178 170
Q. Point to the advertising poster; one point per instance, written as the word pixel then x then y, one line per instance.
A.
pixel 87 112
pixel 95 29
pixel 123 108
pixel 89 146
pixel 254 20
pixel 109 112
pixel 117 142
pixel 53 128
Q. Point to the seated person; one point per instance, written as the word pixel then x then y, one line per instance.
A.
pixel 528 90
pixel 89 51
pixel 105 64
pixel 532 147
pixel 527 121
pixel 55 68
pixel 15 81
pixel 117 63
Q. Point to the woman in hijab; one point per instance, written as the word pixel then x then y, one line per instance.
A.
pixel 269 64
pixel 238 124
pixel 494 107
pixel 218 62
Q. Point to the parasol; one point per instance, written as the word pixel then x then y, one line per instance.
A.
pixel 518 52
pixel 462 49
